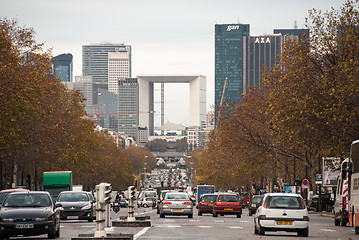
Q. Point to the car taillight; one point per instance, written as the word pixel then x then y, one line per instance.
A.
pixel 186 203
pixel 201 204
pixel 167 203
pixel 262 217
pixel 306 218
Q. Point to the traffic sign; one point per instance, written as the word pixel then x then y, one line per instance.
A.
pixel 305 183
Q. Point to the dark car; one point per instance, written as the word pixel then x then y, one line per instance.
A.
pixel 205 203
pixel 76 205
pixel 326 203
pixel 5 192
pixel 227 204
pixel 254 204
pixel 29 213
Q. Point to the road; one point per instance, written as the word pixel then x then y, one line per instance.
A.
pixel 206 227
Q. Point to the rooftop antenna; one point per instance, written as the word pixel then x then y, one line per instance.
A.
pixel 295 24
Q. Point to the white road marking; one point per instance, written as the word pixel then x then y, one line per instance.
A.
pixel 194 220
pixel 87 226
pixel 328 230
pixel 218 220
pixel 236 227
pixel 168 226
pixel 205 226
pixel 143 231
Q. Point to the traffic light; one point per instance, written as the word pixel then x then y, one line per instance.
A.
pixel 233 189
pixel 105 190
pixel 254 185
pixel 132 192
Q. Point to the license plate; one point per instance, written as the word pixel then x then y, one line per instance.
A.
pixel 24 226
pixel 72 217
pixel 285 222
pixel 228 209
pixel 177 210
pixel 210 204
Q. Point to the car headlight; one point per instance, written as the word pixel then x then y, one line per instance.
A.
pixel 7 220
pixel 86 207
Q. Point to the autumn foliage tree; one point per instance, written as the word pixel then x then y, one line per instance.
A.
pixel 306 108
pixel 41 122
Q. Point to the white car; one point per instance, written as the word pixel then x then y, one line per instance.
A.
pixel 282 212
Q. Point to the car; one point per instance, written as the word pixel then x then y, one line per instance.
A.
pixel 227 204
pixel 5 192
pixel 29 213
pixel 254 203
pixel 148 202
pixel 282 212
pixel 76 205
pixel 205 203
pixel 176 203
pixel 161 196
pixel 326 203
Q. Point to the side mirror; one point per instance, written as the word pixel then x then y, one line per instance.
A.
pixel 58 205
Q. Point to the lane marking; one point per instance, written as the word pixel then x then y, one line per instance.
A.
pixel 328 230
pixel 218 220
pixel 236 227
pixel 205 226
pixel 143 231
pixel 168 226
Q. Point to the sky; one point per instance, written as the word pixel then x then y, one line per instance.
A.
pixel 167 37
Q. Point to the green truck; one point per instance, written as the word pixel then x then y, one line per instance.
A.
pixel 57 181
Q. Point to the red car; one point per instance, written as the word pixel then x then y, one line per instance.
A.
pixel 4 193
pixel 205 203
pixel 227 204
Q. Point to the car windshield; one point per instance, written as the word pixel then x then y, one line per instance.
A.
pixel 291 202
pixel 208 198
pixel 73 197
pixel 227 198
pixel 3 195
pixel 27 200
pixel 257 199
pixel 176 196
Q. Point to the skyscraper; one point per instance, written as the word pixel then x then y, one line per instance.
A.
pixel 128 119
pixel 62 66
pixel 229 61
pixel 95 60
pixel 260 52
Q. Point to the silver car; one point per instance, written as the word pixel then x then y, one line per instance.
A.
pixel 176 203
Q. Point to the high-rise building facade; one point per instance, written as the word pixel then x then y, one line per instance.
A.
pixel 229 61
pixel 95 60
pixel 128 98
pixel 262 52
pixel 118 68
pixel 62 66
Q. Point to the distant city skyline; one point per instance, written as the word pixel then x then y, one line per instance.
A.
pixel 167 37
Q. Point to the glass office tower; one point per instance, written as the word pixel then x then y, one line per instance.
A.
pixel 128 118
pixel 62 66
pixel 229 61
pixel 95 60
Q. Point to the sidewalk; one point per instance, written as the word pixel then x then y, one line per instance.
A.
pixel 323 214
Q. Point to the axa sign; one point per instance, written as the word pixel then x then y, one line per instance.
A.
pixel 232 27
pixel 262 40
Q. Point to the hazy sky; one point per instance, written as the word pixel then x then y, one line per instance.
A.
pixel 167 37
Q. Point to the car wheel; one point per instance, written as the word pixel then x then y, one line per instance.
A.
pixel 215 214
pixel 261 230
pixel 190 216
pixel 145 205
pixel 336 221
pixel 255 229
pixel 303 232
pixel 162 216
pixel 52 233
pixel 199 213
pixel 57 233
pixel 238 215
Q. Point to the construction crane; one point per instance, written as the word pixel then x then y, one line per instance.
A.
pixel 220 105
